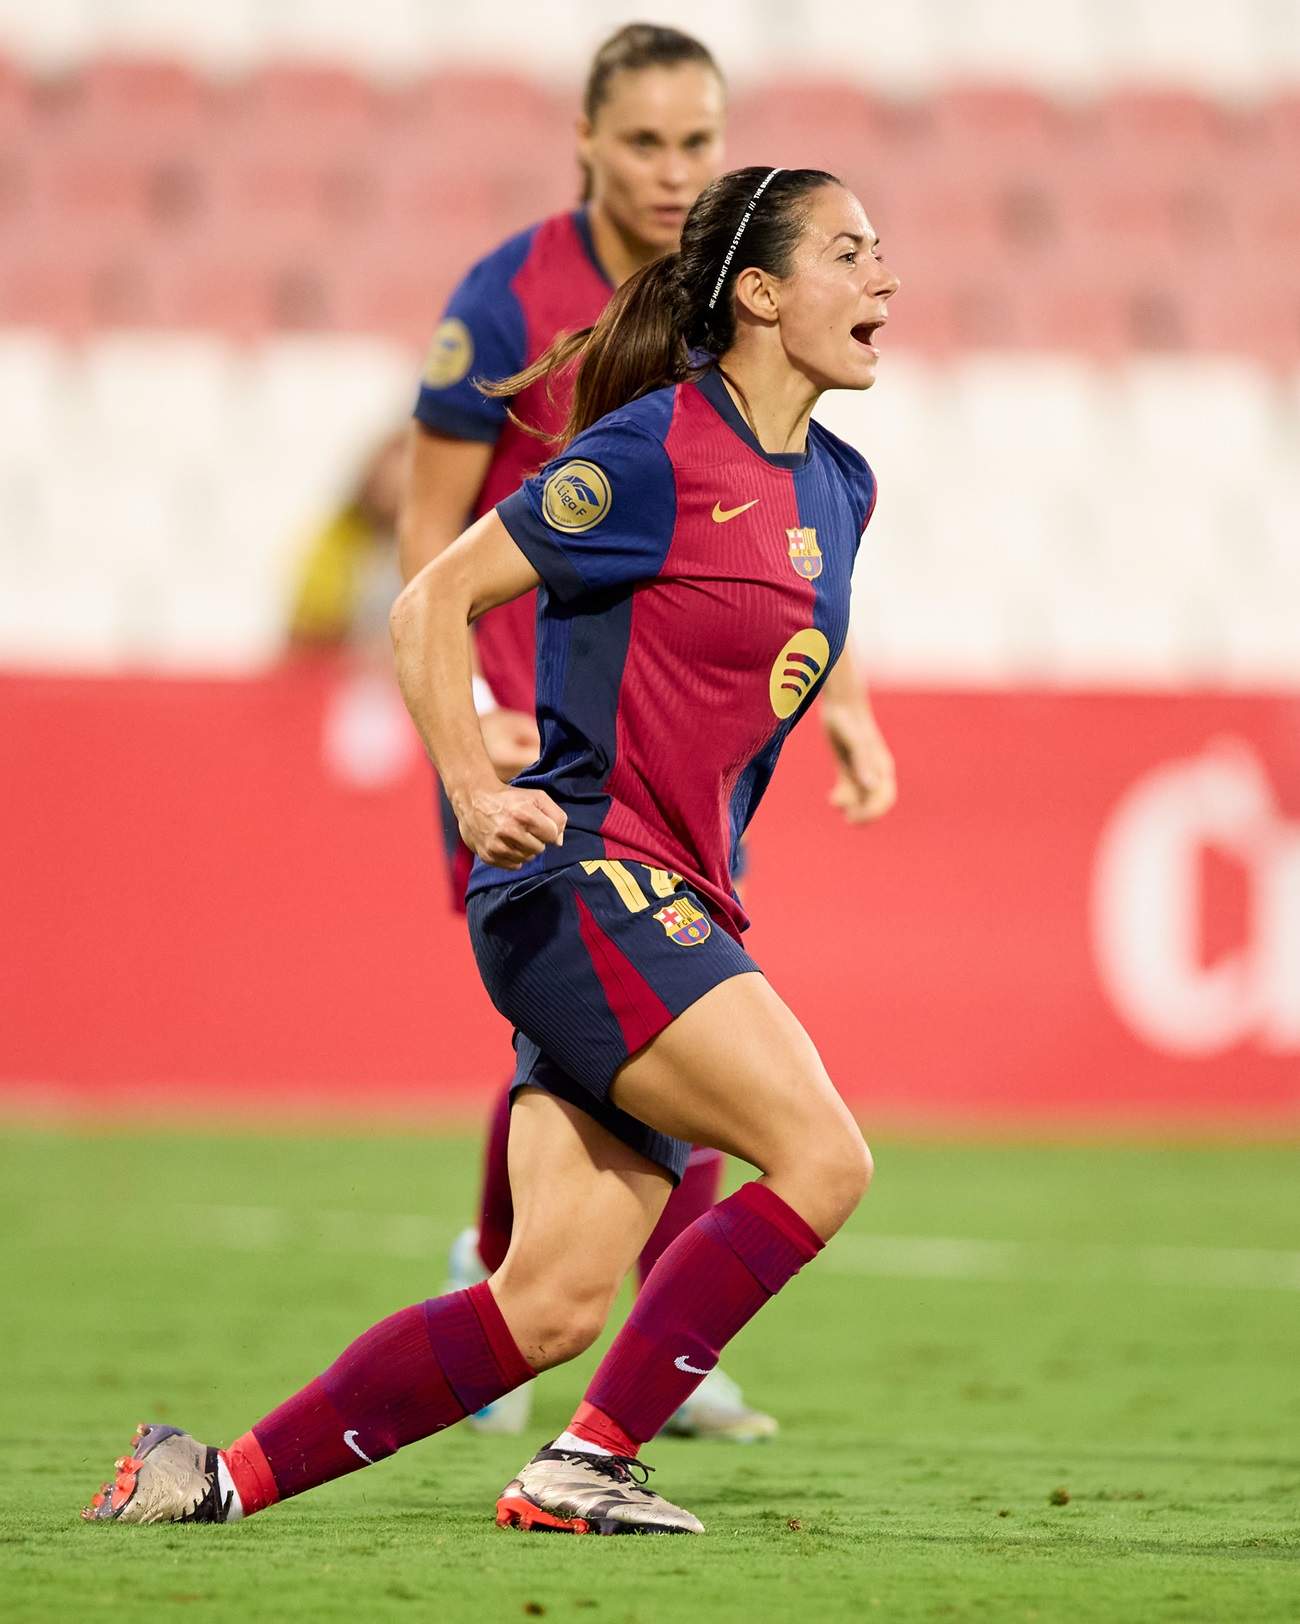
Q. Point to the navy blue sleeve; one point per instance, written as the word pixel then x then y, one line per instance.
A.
pixel 865 491
pixel 599 517
pixel 858 478
pixel 481 335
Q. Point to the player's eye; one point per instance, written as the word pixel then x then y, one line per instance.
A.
pixel 851 257
pixel 645 141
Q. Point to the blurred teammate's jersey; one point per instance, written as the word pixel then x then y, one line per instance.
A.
pixel 505 313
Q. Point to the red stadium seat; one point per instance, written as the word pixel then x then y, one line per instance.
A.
pixel 1271 220
pixel 1167 129
pixel 42 289
pixel 1259 315
pixel 135 103
pixel 397 298
pixel 1149 222
pixel 15 100
pixel 226 289
pixel 1280 125
pixel 808 123
pixel 481 102
pixel 998 125
pixel 290 97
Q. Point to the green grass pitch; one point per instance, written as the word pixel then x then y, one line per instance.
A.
pixel 998 1329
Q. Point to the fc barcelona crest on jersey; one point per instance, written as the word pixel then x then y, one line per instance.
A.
pixel 805 554
pixel 684 922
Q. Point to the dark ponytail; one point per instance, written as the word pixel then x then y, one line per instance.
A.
pixel 671 319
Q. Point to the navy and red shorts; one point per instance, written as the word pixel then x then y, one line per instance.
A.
pixel 589 962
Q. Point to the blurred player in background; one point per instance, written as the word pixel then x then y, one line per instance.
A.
pixel 347 566
pixel 649 138
pixel 346 580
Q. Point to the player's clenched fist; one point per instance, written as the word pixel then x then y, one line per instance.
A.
pixel 506 826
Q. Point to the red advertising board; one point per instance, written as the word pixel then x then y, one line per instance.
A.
pixel 229 895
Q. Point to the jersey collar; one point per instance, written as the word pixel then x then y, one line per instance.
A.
pixel 714 390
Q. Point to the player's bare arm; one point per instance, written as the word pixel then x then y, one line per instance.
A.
pixel 443 479
pixel 444 476
pixel 431 640
pixel 865 783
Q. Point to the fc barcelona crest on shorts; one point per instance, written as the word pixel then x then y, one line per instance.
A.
pixel 805 554
pixel 684 922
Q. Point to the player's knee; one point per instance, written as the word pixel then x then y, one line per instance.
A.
pixel 558 1319
pixel 571 1330
pixel 836 1177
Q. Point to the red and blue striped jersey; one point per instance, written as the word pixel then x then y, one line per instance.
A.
pixel 695 592
pixel 501 317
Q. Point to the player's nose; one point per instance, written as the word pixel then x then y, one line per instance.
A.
pixel 885 284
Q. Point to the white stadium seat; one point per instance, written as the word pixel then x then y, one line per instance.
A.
pixel 1230 46
pixel 54 34
pixel 1012 40
pixel 1218 43
pixel 1039 520
pixel 160 396
pixel 222 38
pixel 1188 411
pixel 36 381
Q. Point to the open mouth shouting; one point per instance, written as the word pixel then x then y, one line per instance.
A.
pixel 864 334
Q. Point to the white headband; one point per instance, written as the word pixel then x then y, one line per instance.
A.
pixel 740 232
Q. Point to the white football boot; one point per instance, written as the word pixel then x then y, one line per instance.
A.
pixel 567 1491
pixel 510 1415
pixel 168 1477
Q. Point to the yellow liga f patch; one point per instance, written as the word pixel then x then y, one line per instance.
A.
pixel 576 497
pixel 450 354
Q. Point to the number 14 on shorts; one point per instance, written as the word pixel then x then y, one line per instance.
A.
pixel 682 920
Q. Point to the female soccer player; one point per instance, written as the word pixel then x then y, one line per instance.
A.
pixel 694 547
pixel 649 137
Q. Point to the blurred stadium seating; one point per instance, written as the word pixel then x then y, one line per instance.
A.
pixel 225 234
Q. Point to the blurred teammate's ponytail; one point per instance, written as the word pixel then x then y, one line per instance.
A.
pixel 633 47
pixel 671 319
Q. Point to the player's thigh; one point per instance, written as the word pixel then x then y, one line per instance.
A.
pixel 584 1204
pixel 737 1070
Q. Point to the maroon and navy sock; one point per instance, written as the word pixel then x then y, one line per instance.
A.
pixel 497 1209
pixel 696 1193
pixel 413 1374
pixel 709 1282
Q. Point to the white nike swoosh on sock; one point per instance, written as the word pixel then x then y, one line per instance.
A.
pixel 350 1439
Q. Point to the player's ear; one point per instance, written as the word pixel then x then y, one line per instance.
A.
pixel 582 136
pixel 756 292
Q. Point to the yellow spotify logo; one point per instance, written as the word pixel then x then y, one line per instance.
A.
pixel 576 497
pixel 449 356
pixel 795 669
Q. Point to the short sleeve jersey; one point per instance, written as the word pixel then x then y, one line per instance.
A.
pixel 503 315
pixel 695 592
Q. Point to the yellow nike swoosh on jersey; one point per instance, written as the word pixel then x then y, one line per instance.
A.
pixel 721 514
